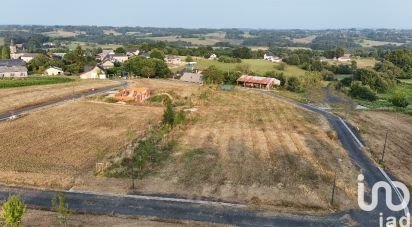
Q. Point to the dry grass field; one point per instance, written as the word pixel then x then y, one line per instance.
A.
pixel 13 98
pixel 250 148
pixel 37 218
pixel 54 146
pixel 398 156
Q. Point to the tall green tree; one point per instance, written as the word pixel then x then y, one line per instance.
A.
pixel 5 53
pixel 120 50
pixel 147 67
pixel 158 54
pixel 13 210
pixel 213 75
pixel 340 52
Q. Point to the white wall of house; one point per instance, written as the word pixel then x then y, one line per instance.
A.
pixel 54 72
pixel 13 74
pixel 94 74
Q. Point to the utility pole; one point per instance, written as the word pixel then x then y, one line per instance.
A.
pixel 384 146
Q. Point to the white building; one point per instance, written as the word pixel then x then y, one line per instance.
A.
pixel 272 58
pixel 119 58
pixel 132 52
pixel 95 74
pixel 107 64
pixel 172 59
pixel 345 58
pixel 54 71
pixel 13 71
pixel 213 57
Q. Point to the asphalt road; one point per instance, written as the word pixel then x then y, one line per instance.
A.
pixel 27 109
pixel 353 144
pixel 165 208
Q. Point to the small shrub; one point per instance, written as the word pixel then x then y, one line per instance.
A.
pixel 399 100
pixel 169 114
pixel 61 207
pixel 294 84
pixel 362 91
pixel 13 210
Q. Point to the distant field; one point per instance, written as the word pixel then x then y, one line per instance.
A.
pixel 366 62
pixel 1 41
pixel 85 45
pixel 32 81
pixel 249 148
pixel 362 62
pixel 205 40
pixel 62 33
pixel 372 43
pixel 194 41
pixel 109 32
pixel 54 146
pixel 257 65
pixel 12 98
pixel 305 40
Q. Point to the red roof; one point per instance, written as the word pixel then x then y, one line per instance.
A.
pixel 256 80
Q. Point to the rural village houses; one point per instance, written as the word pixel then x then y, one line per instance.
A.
pixel 17 51
pixel 12 68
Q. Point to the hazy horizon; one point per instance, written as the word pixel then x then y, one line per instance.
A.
pixel 258 14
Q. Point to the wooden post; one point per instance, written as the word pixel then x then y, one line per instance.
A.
pixel 384 146
pixel 333 190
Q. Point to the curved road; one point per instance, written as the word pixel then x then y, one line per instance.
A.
pixel 223 213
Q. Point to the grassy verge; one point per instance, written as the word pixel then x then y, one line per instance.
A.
pixel 32 81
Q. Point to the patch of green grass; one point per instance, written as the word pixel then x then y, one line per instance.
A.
pixel 384 103
pixel 1 41
pixel 259 66
pixel 406 81
pixel 32 81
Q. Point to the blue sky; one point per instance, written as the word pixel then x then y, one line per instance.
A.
pixel 278 14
